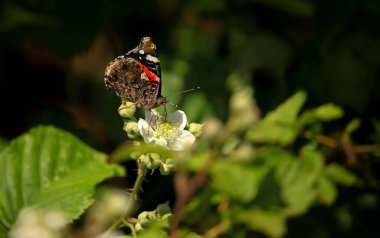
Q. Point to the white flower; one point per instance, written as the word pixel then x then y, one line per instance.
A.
pixel 169 134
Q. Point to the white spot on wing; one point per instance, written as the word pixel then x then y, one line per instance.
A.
pixel 152 58
pixel 141 52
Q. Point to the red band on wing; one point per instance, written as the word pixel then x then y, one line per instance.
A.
pixel 149 73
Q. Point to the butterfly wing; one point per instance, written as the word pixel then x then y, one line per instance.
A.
pixel 136 76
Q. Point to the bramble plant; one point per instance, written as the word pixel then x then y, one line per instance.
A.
pixel 248 174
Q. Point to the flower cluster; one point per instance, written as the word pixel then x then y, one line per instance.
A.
pixel 170 134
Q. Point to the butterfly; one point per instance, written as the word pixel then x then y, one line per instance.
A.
pixel 136 76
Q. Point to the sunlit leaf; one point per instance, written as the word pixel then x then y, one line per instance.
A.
pixel 3 144
pixel 198 161
pixel 341 175
pixel 326 190
pixel 326 112
pixel 279 126
pixel 297 178
pixel 153 233
pixel 48 168
pixel 238 181
pixel 272 224
pixel 352 126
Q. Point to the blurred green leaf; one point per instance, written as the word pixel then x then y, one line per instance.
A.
pixel 3 144
pixel 239 181
pixel 50 169
pixel 279 125
pixel 272 224
pixel 326 190
pixel 195 42
pixel 14 16
pixel 198 161
pixel 153 233
pixel 352 126
pixel 197 107
pixel 340 175
pixel 326 112
pixel 298 178
pixel 200 207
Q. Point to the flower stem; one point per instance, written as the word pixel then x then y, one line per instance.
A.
pixel 131 227
pixel 141 172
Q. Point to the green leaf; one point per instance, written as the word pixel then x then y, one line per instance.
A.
pixel 239 181
pixel 3 144
pixel 326 190
pixel 326 112
pixel 48 168
pixel 153 233
pixel 352 126
pixel 272 224
pixel 279 126
pixel 298 178
pixel 198 161
pixel 340 175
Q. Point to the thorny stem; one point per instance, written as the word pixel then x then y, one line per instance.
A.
pixel 141 172
pixel 131 227
pixel 114 226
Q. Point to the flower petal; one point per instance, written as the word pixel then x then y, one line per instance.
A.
pixel 178 118
pixel 160 141
pixel 184 140
pixel 145 130
pixel 151 116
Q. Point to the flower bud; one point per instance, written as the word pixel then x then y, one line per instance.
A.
pixel 243 110
pixel 195 129
pixel 211 129
pixel 156 159
pixel 144 159
pixel 127 110
pixel 132 129
pixel 168 167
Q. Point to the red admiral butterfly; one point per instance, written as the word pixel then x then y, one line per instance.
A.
pixel 136 76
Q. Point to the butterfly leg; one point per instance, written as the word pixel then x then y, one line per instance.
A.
pixel 165 112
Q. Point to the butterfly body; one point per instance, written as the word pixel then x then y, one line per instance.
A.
pixel 136 76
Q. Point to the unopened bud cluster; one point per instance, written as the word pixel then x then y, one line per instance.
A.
pixel 154 161
pixel 127 111
pixel 160 216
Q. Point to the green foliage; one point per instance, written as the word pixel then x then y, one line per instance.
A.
pixel 273 182
pixel 257 173
pixel 47 168
pixel 280 125
pixel 340 175
pixel 238 181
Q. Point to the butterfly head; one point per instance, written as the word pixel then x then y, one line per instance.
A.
pixel 146 46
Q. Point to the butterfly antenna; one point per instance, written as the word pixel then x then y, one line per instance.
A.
pixel 185 91
pixel 175 105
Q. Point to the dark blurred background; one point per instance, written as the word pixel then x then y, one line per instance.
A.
pixel 53 55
